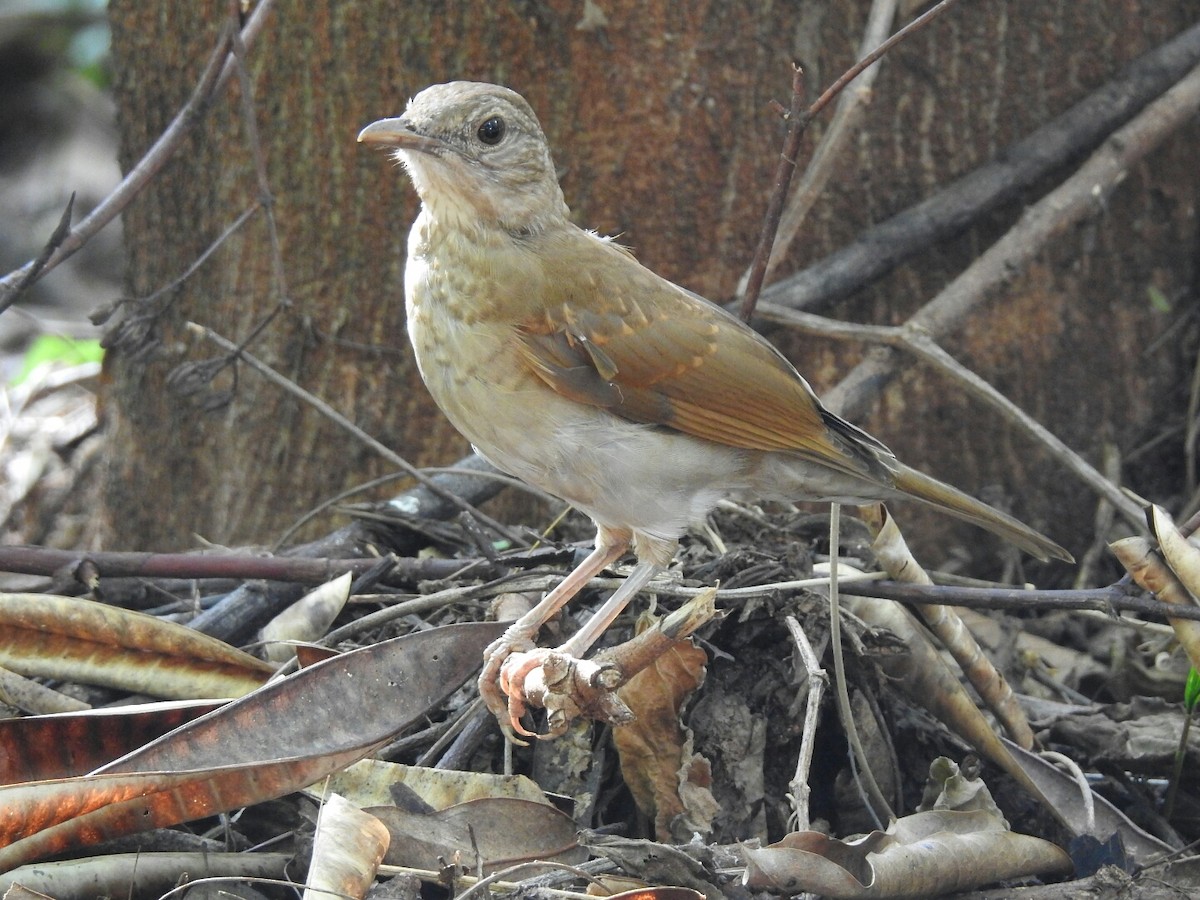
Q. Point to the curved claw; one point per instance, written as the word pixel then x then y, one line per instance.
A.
pixel 500 692
pixel 511 683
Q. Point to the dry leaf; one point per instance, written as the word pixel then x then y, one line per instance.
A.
pixel 370 782
pixel 138 874
pixel 71 639
pixel 893 555
pixel 308 619
pixel 35 698
pixel 928 681
pixel 923 855
pixel 274 741
pixel 36 748
pixel 347 850
pixel 505 832
pixel 669 783
pixel 1063 793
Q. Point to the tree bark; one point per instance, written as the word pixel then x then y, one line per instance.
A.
pixel 660 123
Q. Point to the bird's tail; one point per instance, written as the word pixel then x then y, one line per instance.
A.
pixel 963 506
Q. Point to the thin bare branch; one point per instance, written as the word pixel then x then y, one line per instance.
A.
pixel 215 76
pixel 872 796
pixel 798 124
pixel 815 687
pixel 912 338
pixel 1015 170
pixel 345 424
pixel 1082 195
pixel 917 24
pixel 846 118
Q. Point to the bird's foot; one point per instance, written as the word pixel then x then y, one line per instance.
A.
pixel 518 675
pixel 566 687
pixel 514 678
pixel 508 708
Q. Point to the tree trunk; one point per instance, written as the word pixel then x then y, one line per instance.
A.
pixel 658 114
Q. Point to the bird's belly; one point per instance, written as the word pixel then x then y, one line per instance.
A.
pixel 620 473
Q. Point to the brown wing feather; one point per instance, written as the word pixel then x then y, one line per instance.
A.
pixel 657 354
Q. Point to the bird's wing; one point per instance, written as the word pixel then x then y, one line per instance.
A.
pixel 654 353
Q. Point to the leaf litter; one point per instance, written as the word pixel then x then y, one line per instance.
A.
pixel 696 793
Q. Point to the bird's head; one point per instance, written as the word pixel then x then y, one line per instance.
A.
pixel 476 155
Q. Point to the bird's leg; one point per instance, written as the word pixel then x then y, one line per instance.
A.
pixel 610 545
pixel 582 640
pixel 517 667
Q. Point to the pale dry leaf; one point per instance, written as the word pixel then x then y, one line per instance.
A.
pixel 925 679
pixel 371 782
pixel 308 619
pixel 1158 575
pixel 348 847
pixel 949 788
pixel 138 874
pixel 923 855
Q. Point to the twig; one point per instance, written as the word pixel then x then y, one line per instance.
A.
pixel 80 565
pixel 33 271
pixel 815 683
pixel 132 331
pixel 1082 195
pixel 917 24
pixel 915 340
pixel 265 196
pixel 850 108
pixel 338 419
pixel 215 76
pixel 798 124
pixel 874 801
pixel 879 249
pixel 1108 600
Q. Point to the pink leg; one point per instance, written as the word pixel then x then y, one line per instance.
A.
pixel 610 545
pixel 516 667
pixel 582 640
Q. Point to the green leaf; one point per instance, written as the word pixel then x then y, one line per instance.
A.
pixel 1158 300
pixel 53 348
pixel 1191 690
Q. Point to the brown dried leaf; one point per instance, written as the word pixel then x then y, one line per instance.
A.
pixel 1063 793
pixel 892 552
pixel 1150 571
pixel 37 748
pixel 80 640
pixel 1181 555
pixel 657 893
pixel 276 740
pixel 923 855
pixel 347 850
pixel 35 698
pixel 669 783
pixel 928 681
pixel 505 831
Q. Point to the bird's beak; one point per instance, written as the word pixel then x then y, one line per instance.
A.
pixel 398 133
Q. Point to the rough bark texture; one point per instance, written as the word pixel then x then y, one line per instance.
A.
pixel 660 125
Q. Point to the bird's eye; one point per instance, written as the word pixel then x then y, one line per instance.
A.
pixel 492 131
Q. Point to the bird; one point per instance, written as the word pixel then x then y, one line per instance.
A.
pixel 571 366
